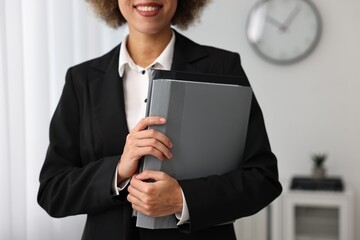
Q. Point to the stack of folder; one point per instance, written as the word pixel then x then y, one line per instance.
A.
pixel 308 183
pixel 207 119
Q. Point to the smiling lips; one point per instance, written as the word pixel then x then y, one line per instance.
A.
pixel 148 9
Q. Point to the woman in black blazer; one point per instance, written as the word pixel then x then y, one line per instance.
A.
pixel 93 150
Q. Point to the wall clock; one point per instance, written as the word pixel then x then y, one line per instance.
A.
pixel 284 31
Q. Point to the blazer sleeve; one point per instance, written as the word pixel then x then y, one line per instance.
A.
pixel 219 199
pixel 70 184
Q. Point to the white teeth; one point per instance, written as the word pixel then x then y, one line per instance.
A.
pixel 146 8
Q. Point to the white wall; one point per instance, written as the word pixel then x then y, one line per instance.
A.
pixel 309 107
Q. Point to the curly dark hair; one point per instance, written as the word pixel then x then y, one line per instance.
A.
pixel 186 13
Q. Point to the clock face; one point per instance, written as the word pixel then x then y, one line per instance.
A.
pixel 284 31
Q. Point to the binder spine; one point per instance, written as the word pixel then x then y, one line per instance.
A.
pixel 159 106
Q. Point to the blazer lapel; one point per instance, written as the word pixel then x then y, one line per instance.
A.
pixel 186 54
pixel 107 105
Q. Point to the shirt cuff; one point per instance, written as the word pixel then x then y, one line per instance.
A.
pixel 117 189
pixel 183 216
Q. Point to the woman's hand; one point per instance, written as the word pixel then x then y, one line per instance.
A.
pixel 156 199
pixel 142 141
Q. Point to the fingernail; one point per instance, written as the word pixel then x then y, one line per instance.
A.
pixel 162 120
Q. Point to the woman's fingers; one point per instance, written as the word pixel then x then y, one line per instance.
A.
pixel 154 147
pixel 142 141
pixel 151 134
pixel 148 121
pixel 159 198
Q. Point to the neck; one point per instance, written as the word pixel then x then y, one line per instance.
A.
pixel 145 48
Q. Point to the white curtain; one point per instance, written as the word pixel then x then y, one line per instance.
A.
pixel 39 40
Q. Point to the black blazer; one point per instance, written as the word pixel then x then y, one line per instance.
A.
pixel 87 136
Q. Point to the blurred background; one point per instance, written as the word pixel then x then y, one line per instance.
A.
pixel 311 106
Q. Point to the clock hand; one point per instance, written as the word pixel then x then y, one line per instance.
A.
pixel 276 23
pixel 292 16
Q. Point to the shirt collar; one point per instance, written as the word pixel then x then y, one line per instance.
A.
pixel 164 61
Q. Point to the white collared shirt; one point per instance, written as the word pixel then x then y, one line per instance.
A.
pixel 136 80
pixel 136 84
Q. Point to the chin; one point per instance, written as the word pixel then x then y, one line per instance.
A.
pixel 151 29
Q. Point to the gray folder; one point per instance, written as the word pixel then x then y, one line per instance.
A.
pixel 207 123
